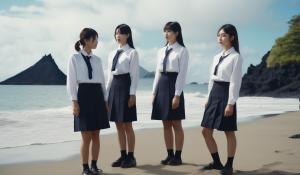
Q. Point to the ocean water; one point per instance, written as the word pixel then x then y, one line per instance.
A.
pixel 42 115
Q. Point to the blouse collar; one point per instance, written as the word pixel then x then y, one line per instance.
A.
pixel 85 53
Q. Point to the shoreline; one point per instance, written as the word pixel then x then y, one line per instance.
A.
pixel 251 118
pixel 278 151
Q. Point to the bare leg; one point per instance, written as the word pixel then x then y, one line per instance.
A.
pixel 231 143
pixel 209 140
pixel 231 148
pixel 179 134
pixel 168 134
pixel 213 149
pixel 130 136
pixel 95 145
pixel 121 135
pixel 85 145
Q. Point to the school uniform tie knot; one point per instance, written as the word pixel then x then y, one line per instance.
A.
pixel 87 60
pixel 167 52
pixel 220 60
pixel 115 60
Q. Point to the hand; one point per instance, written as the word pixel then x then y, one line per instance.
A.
pixel 131 101
pixel 76 109
pixel 106 105
pixel 206 104
pixel 175 102
pixel 228 110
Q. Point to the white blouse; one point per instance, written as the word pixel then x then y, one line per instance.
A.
pixel 128 62
pixel 77 73
pixel 177 62
pixel 229 70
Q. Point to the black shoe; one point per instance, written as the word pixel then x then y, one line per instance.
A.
pixel 166 160
pixel 213 166
pixel 87 172
pixel 118 162
pixel 227 171
pixel 175 161
pixel 96 171
pixel 129 162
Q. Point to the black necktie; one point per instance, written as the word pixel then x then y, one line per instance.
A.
pixel 217 66
pixel 88 64
pixel 115 60
pixel 167 52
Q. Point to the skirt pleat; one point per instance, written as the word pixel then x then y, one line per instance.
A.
pixel 118 100
pixel 162 104
pixel 214 112
pixel 93 113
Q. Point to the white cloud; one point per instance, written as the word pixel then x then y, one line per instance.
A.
pixel 53 26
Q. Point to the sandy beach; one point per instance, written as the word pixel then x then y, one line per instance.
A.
pixel 264 148
pixel 209 53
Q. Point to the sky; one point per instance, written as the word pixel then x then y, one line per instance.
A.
pixel 32 28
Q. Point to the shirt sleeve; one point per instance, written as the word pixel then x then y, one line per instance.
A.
pixel 109 77
pixel 210 81
pixel 72 84
pixel 181 77
pixel 102 79
pixel 134 72
pixel 157 76
pixel 235 80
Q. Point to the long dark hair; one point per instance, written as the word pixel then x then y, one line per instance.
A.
pixel 175 27
pixel 125 30
pixel 231 31
pixel 85 34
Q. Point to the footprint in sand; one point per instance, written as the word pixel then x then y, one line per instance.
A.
pixel 288 153
pixel 271 164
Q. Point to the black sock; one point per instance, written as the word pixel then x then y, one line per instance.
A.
pixel 130 154
pixel 170 152
pixel 85 166
pixel 216 158
pixel 178 154
pixel 229 162
pixel 123 153
pixel 94 163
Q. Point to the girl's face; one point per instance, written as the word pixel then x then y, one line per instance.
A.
pixel 91 43
pixel 171 36
pixel 224 39
pixel 121 38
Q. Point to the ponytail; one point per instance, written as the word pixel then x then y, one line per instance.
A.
pixel 85 34
pixel 77 46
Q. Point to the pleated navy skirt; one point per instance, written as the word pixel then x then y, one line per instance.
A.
pixel 214 112
pixel 162 104
pixel 119 94
pixel 93 113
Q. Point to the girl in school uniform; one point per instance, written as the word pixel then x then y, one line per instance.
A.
pixel 123 76
pixel 223 92
pixel 168 98
pixel 86 86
